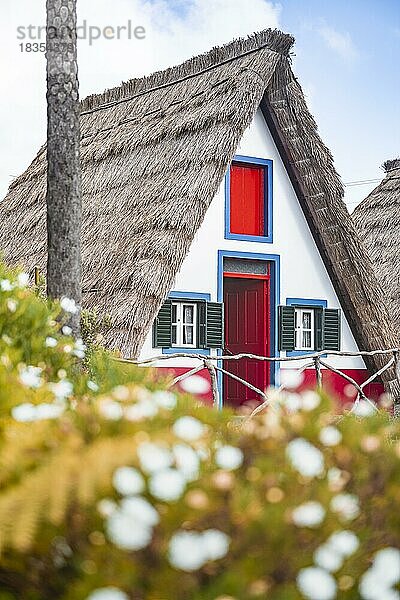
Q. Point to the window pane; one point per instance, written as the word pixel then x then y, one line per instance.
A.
pixel 188 334
pixel 306 339
pixel 173 334
pixel 188 314
pixel 306 320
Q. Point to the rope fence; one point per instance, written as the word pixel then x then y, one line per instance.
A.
pixel 315 361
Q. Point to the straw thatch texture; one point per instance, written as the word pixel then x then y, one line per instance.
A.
pixel 152 165
pixel 150 168
pixel 377 220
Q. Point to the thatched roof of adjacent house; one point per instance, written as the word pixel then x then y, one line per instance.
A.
pixel 377 219
pixel 154 152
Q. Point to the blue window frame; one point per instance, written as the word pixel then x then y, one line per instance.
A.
pixel 268 201
pixel 306 302
pixel 190 296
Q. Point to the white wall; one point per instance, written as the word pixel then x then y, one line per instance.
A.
pixel 302 272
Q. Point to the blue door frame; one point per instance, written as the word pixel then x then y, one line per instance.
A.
pixel 274 260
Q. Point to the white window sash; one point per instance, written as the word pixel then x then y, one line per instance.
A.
pixel 300 330
pixel 180 324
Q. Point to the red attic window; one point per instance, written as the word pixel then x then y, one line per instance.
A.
pixel 247 200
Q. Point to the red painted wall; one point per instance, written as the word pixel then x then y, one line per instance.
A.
pixel 340 390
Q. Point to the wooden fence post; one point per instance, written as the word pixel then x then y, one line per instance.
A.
pixel 214 382
pixel 318 372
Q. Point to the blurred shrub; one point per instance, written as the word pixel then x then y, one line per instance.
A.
pixel 112 488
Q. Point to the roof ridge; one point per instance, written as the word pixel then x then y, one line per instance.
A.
pixel 391 165
pixel 274 39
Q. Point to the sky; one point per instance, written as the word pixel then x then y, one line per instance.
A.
pixel 346 58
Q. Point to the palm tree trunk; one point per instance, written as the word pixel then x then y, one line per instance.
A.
pixel 64 210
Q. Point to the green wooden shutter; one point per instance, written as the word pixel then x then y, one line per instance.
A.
pixel 162 330
pixel 286 327
pixel 318 321
pixel 331 329
pixel 214 325
pixel 201 325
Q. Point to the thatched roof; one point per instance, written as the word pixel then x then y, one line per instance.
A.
pixel 377 219
pixel 154 152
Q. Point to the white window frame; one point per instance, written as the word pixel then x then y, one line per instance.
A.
pixel 179 323
pixel 299 329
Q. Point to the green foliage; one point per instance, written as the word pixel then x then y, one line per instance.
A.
pixel 72 522
pixel 93 328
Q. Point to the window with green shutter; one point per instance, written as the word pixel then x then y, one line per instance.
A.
pixel 214 325
pixel 189 323
pixel 286 327
pixel 331 329
pixel 162 330
pixel 308 326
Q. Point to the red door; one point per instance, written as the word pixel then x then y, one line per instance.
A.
pixel 246 330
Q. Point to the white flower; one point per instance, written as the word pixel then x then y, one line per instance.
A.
pixel 216 544
pixel 375 586
pixel 328 558
pixel 63 389
pixel 107 593
pixel 69 305
pixel 186 552
pixel 377 582
pixel 195 385
pixel 292 402
pixel 310 400
pixel 346 505
pixel 334 475
pixel 330 436
pixel 188 428
pixel 66 330
pixel 126 532
pixel 140 510
pixel 6 285
pixel 190 550
pixel 12 305
pixel 111 410
pixel 24 412
pixel 229 457
pixel 153 458
pixel 316 584
pixel 92 386
pixel 79 349
pixel 48 411
pixel 165 399
pixel 106 507
pixel 31 377
pixel 22 279
pixel 50 342
pixel 309 514
pixel 344 542
pixel 291 379
pixel 387 562
pixel 167 485
pixel 128 481
pixel 305 458
pixel 362 408
pixel 187 461
pixel 143 409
